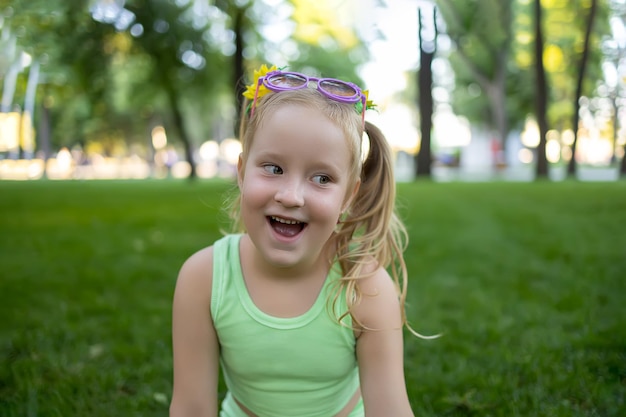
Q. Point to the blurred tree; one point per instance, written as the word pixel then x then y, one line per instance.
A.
pixel 10 65
pixel 243 28
pixel 482 35
pixel 323 43
pixel 69 46
pixel 494 54
pixel 113 65
pixel 564 49
pixel 614 48
pixel 541 168
pixel 584 59
pixel 313 40
pixel 112 69
pixel 427 35
pixel 175 37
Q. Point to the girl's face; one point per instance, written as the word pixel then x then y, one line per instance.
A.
pixel 294 185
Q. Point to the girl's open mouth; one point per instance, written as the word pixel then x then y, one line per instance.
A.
pixel 286 227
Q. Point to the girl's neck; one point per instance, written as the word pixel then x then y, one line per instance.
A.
pixel 277 291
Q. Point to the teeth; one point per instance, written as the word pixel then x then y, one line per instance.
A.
pixel 284 221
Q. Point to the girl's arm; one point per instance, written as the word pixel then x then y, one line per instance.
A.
pixel 195 345
pixel 380 351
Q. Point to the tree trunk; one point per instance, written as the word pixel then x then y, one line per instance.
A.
pixel 180 127
pixel 541 169
pixel 44 135
pixel 8 91
pixel 425 79
pixel 424 157
pixel 571 166
pixel 622 167
pixel 238 28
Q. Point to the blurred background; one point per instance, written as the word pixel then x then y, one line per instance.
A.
pixel 483 99
pixel 465 90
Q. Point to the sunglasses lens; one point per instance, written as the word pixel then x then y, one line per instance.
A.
pixel 338 88
pixel 287 80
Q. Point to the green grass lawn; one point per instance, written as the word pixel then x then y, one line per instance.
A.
pixel 526 281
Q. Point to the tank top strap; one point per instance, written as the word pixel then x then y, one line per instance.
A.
pixel 225 251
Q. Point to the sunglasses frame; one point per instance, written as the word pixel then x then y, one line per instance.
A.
pixel 266 81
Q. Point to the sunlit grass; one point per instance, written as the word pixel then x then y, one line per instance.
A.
pixel 526 281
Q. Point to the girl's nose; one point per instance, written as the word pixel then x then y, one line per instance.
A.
pixel 290 194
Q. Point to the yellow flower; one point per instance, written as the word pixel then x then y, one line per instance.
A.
pixel 369 104
pixel 250 89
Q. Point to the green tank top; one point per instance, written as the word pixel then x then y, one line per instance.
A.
pixel 303 366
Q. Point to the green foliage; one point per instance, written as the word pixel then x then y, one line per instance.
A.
pixel 100 81
pixel 482 35
pixel 325 65
pixel 564 30
pixel 183 68
pixel 69 45
pixel 480 28
pixel 485 33
pixel 104 81
pixel 525 281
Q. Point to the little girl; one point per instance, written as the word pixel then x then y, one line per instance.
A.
pixel 302 308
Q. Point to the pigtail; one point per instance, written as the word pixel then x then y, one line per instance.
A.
pixel 372 228
pixel 374 203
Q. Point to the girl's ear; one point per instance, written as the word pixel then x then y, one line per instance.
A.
pixel 240 165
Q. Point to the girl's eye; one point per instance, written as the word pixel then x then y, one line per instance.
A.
pixel 321 179
pixel 273 169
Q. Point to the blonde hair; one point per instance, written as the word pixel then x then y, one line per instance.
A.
pixel 370 229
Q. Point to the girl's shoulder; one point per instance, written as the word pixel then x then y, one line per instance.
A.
pixel 196 274
pixel 200 261
pixel 379 305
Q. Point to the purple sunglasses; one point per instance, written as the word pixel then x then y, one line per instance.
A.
pixel 341 91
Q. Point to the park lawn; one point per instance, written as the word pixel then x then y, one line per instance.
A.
pixel 526 282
